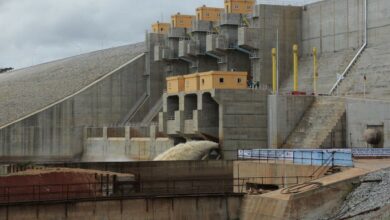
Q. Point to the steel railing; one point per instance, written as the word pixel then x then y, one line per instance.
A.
pixel 145 188
pixel 285 156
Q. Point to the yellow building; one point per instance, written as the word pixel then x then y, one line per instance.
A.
pixel 175 84
pixel 222 80
pixel 239 6
pixel 208 13
pixel 160 28
pixel 182 21
pixel 191 82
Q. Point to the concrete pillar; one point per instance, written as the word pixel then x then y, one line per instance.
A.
pixel 105 132
pixel 127 132
pixel 105 141
pixel 153 131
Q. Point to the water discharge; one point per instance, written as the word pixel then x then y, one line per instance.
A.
pixel 192 150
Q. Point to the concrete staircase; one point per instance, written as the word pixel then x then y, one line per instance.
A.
pixel 133 111
pixel 317 123
pixel 329 64
pixel 153 112
pixel 374 64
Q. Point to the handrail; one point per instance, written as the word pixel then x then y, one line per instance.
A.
pixel 140 102
pixel 357 54
pixel 153 112
pixel 267 156
pixel 331 158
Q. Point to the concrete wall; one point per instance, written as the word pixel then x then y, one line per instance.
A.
pixel 195 207
pixel 154 76
pixel 162 170
pixel 285 112
pixel 57 133
pixel 278 173
pixel 332 25
pixel 242 120
pixel 360 114
pixel 315 203
pixel 270 19
pixel 124 149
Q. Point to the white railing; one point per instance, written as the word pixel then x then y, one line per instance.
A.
pixel 342 76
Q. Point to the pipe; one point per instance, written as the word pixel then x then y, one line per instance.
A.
pixel 357 54
pixel 315 70
pixel 295 52
pixel 274 70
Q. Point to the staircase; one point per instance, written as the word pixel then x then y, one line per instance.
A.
pixel 153 112
pixel 374 64
pixel 332 170
pixel 329 64
pixel 317 123
pixel 133 111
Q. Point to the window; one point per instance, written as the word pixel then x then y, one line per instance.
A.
pixel 249 7
pixel 239 80
pixel 236 6
pixel 202 81
pixel 181 22
pixel 221 80
pixel 162 29
pixel 207 14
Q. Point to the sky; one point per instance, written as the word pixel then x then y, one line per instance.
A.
pixel 37 31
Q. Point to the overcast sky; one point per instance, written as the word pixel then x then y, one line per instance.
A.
pixel 36 31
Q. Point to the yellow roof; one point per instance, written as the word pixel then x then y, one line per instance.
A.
pixel 191 75
pixel 211 8
pixel 174 77
pixel 223 73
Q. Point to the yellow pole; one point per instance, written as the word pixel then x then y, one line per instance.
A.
pixel 274 70
pixel 315 70
pixel 295 51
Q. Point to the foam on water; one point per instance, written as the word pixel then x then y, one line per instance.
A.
pixel 192 150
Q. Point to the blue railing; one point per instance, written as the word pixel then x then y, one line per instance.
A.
pixel 331 157
pixel 370 152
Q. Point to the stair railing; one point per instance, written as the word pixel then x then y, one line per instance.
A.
pixel 328 162
pixel 357 54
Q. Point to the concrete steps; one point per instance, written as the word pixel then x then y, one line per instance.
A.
pixel 329 65
pixel 153 112
pixel 317 123
pixel 373 64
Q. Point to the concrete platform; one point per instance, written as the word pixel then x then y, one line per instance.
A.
pixel 312 201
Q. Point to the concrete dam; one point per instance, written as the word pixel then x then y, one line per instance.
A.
pixel 252 110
